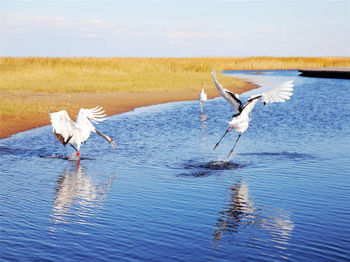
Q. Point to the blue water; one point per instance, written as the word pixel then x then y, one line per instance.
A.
pixel 165 195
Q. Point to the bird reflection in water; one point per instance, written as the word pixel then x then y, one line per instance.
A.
pixel 242 215
pixel 203 135
pixel 203 118
pixel 77 195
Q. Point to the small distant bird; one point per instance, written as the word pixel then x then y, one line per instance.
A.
pixel 75 133
pixel 240 119
pixel 202 97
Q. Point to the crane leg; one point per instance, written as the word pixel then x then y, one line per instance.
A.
pixel 228 129
pixel 239 136
pixel 74 148
pixel 78 154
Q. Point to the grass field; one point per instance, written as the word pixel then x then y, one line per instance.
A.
pixel 25 77
pixel 37 74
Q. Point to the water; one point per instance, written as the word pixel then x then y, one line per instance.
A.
pixel 165 195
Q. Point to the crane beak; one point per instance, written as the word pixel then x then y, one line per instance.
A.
pixel 111 141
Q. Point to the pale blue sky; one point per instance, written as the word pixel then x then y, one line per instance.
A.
pixel 175 28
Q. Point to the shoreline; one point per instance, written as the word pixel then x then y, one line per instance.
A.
pixel 112 103
pixel 32 86
pixel 326 72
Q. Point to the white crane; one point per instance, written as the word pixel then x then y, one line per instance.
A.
pixel 76 133
pixel 202 97
pixel 240 120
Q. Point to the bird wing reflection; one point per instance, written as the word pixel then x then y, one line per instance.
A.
pixel 77 194
pixel 242 215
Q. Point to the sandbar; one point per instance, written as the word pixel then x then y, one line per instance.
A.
pixel 112 103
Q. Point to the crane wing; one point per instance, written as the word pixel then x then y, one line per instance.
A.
pixel 250 104
pixel 94 114
pixel 228 95
pixel 281 93
pixel 62 126
pixel 236 104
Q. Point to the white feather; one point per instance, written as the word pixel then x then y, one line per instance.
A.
pixel 281 93
pixel 95 115
pixel 202 97
pixel 77 133
pixel 62 124
pixel 227 95
pixel 240 122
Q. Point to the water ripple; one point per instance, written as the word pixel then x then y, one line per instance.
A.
pixel 283 196
pixel 281 155
pixel 194 169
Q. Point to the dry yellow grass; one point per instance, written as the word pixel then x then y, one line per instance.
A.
pixel 101 74
pixel 23 77
pixel 88 74
pixel 29 77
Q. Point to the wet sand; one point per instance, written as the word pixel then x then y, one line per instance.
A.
pixel 113 103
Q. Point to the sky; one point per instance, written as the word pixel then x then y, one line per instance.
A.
pixel 169 28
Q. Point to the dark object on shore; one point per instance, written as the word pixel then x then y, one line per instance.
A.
pixel 327 72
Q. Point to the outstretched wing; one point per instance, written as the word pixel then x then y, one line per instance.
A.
pixel 250 104
pixel 62 126
pixel 228 95
pixel 280 94
pixel 95 115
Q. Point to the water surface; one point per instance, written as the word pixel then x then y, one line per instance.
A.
pixel 165 195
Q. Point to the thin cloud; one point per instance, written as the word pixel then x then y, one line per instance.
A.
pixel 190 32
pixel 201 32
pixel 91 35
pixel 95 21
pixel 187 35
pixel 10 21
pixel 268 30
pixel 23 25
